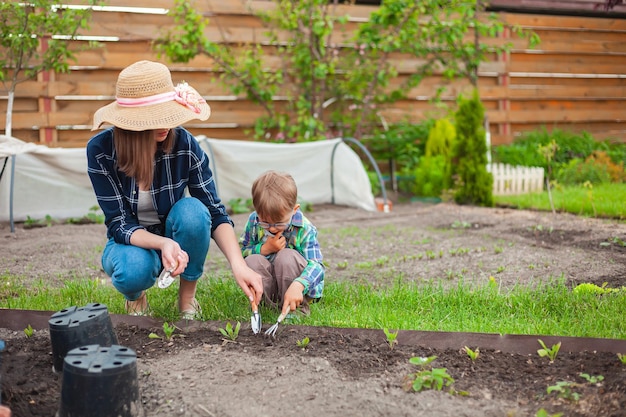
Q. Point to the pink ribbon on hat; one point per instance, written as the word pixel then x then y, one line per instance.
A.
pixel 182 94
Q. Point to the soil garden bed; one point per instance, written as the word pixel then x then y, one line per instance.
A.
pixel 347 371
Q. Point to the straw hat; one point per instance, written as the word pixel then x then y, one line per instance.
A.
pixel 146 99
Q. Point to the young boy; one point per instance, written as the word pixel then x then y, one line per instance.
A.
pixel 280 243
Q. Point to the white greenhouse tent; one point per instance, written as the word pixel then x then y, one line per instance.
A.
pixel 38 181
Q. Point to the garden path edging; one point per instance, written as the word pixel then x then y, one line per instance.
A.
pixel 18 320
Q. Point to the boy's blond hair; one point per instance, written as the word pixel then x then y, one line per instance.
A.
pixel 274 194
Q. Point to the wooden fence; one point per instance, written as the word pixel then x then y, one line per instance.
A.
pixel 572 80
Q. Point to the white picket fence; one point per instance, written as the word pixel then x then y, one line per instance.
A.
pixel 509 180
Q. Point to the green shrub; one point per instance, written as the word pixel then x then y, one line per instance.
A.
pixel 431 177
pixel 578 171
pixel 434 172
pixel 524 151
pixel 596 169
pixel 441 139
pixel 403 142
pixel 474 183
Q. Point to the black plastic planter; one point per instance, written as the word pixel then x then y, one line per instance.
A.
pixel 74 327
pixel 100 382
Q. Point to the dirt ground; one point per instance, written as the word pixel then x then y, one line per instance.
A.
pixel 341 373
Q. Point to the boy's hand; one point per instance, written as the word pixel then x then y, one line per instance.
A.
pixel 274 244
pixel 293 297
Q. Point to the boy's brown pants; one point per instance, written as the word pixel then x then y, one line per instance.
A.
pixel 278 275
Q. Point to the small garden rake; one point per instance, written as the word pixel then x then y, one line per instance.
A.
pixel 274 328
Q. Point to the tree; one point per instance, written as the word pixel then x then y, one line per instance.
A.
pixel 474 182
pixel 34 37
pixel 334 83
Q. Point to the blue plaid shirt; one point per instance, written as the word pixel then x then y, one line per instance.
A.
pixel 186 167
pixel 301 235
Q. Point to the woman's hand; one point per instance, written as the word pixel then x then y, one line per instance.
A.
pixel 174 259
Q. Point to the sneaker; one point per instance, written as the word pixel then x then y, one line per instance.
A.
pixel 193 312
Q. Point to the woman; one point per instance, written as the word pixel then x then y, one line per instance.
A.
pixel 140 169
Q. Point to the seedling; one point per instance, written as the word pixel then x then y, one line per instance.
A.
pixel 303 343
pixel 622 358
pixel 543 413
pixel 382 261
pixel 229 332
pixel 550 353
pixel 28 331
pixel 473 354
pixel 434 378
pixel 592 379
pixel 565 390
pixel 457 224
pixel 392 338
pixel 168 330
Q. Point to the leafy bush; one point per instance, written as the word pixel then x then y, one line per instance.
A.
pixel 596 169
pixel 441 139
pixel 578 171
pixel 403 142
pixel 524 151
pixel 431 177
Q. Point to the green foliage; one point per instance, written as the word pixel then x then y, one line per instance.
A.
pixel 330 88
pixel 94 215
pixel 431 177
pixel 474 182
pixel 485 309
pixel 441 139
pixel 622 358
pixel 592 379
pixel 472 354
pixel 24 28
pixel 28 331
pixel 433 378
pixel 549 352
pixel 30 222
pixel 569 146
pixel 589 288
pixel 230 333
pixel 543 413
pixel 392 337
pixel 239 205
pixel 168 330
pixel 597 168
pixel 565 390
pixel 303 343
pixel 403 142
pixel 578 171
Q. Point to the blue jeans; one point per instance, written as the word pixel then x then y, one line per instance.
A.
pixel 133 269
